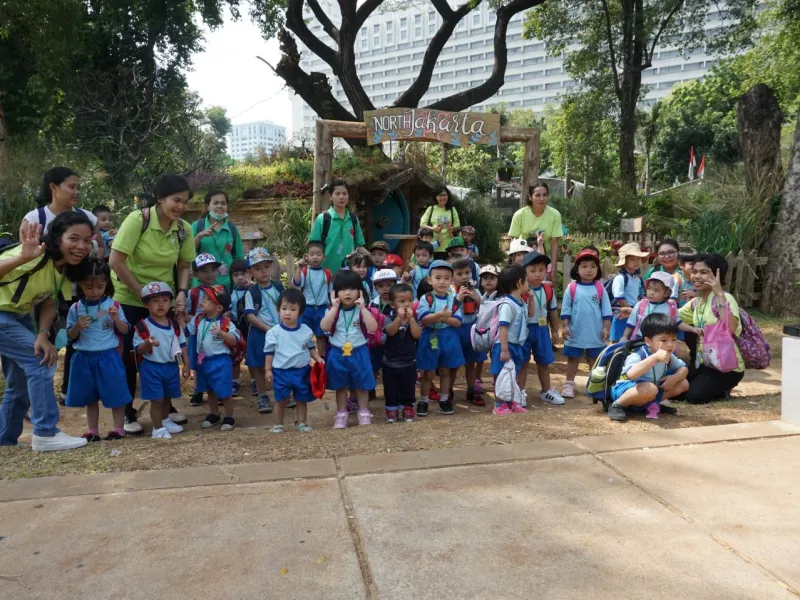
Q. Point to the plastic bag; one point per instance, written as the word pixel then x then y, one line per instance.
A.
pixel 719 345
pixel 506 388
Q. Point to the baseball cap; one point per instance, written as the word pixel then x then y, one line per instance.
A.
pixel 489 270
pixel 219 295
pixel 379 245
pixel 519 245
pixel 392 260
pixel 440 264
pixel 457 242
pixel 587 253
pixel 155 289
pixel 534 257
pixel 384 275
pixel 258 255
pixel 665 278
pixel 203 259
pixel 467 229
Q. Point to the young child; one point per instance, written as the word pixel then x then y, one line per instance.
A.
pixel 456 249
pixel 585 314
pixel 400 354
pixel 488 288
pixel 439 345
pixel 347 362
pixel 315 282
pixel 519 248
pixel 686 291
pixel 359 264
pixel 383 281
pixel 423 252
pixel 468 233
pixel 513 330
pixel 290 347
pixel 261 309
pixel 105 224
pixel 626 288
pixel 240 281
pixel 395 263
pixel 378 252
pixel 96 369
pixel 160 343
pixel 659 300
pixel 469 300
pixel 542 311
pixel 652 373
pixel 214 337
pixel 205 268
pixel 426 234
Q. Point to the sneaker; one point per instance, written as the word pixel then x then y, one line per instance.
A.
pixel 352 405
pixel 211 420
pixel 264 405
pixel 277 429
pixel 518 408
pixel 501 410
pixel 171 425
pixel 446 407
pixel 364 417
pixel 91 437
pixel 196 399
pixel 668 409
pixel 59 441
pixel 236 389
pixel 161 434
pixel 524 402
pixel 133 427
pixel 304 427
pixel 292 403
pixel 617 413
pixel 433 395
pixel 568 391
pixel 254 388
pixel 408 414
pixel 551 396
pixel 228 423
pixel 478 386
pixel 340 421
pixel 422 409
pixel 475 398
pixel 178 417
pixel 114 435
pixel 61 399
pixel 391 416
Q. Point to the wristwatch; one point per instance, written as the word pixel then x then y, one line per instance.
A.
pixel 185 292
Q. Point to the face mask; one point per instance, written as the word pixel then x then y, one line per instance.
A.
pixel 218 216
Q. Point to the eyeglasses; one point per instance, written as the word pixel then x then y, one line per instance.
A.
pixel 667 253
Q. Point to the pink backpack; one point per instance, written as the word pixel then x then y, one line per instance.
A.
pixel 673 314
pixel 375 338
pixel 598 285
pixel 751 343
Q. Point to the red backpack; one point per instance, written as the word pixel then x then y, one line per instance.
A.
pixel 239 349
pixel 144 333
pixel 375 338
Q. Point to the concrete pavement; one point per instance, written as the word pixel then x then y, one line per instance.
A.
pixel 692 513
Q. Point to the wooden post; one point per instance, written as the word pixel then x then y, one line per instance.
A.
pixel 567 268
pixel 750 279
pixel 731 259
pixel 289 270
pixel 741 267
pixel 323 165
pixel 530 168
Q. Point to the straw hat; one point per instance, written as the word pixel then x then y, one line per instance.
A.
pixel 632 249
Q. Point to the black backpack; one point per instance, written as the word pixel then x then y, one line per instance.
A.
pixel 22 280
pixel 326 224
pixel 608 284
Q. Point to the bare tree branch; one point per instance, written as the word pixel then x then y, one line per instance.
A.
pixel 296 23
pixel 324 20
pixel 610 40
pixel 664 23
pixel 363 12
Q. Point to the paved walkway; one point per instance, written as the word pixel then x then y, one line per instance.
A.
pixel 702 513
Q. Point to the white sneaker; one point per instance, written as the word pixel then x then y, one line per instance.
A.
pixel 568 391
pixel 133 427
pixel 178 418
pixel 171 425
pixel 59 441
pixel 551 396
pixel 161 434
pixel 524 403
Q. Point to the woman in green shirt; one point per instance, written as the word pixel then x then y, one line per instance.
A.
pixel 216 235
pixel 537 217
pixel 441 216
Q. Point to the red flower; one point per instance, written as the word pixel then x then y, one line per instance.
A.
pixel 228 248
pixel 352 232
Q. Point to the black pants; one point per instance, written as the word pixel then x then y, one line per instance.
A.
pixel 133 314
pixel 690 339
pixel 399 385
pixel 708 384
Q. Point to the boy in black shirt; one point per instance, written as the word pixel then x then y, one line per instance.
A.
pixel 400 354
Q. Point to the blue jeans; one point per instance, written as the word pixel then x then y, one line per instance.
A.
pixel 28 384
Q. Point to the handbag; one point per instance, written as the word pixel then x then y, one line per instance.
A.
pixel 719 345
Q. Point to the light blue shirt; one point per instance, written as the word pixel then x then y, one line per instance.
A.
pixel 268 313
pixel 207 343
pixel 100 334
pixel 290 348
pixel 169 347
pixel 649 309
pixel 658 372
pixel 236 295
pixel 418 275
pixel 315 287
pixel 348 328
pixel 370 291
pixel 586 315
pixel 513 314
pixel 439 303
pixel 630 292
pixel 191 309
pixel 543 307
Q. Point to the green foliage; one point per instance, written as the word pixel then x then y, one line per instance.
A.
pixel 598 209
pixel 477 209
pixel 474 167
pixel 288 229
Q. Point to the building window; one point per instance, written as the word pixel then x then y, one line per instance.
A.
pixel 555 71
pixel 552 85
pixel 462 24
pixel 364 38
pixel 431 23
pixel 492 17
pixel 476 19
pixel 417 32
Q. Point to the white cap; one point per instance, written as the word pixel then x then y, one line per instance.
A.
pixel 519 245
pixel 384 275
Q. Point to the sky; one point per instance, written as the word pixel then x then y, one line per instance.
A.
pixel 228 74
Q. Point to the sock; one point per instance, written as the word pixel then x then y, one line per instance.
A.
pixel 444 398
pixel 425 399
pixel 94 431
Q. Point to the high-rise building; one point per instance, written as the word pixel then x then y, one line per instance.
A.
pixel 390 47
pixel 247 138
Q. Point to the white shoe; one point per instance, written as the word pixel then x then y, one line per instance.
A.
pixel 568 391
pixel 134 427
pixel 524 403
pixel 161 434
pixel 171 425
pixel 178 418
pixel 59 441
pixel 551 396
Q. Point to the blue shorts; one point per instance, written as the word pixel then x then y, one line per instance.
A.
pixel 159 380
pixel 618 329
pixel 447 353
pixel 623 386
pixel 97 376
pixel 470 356
pixel 191 347
pixel 288 382
pixel 376 358
pixel 575 352
pixel 517 355
pixel 255 355
pixel 539 345
pixel 349 372
pixel 215 374
pixel 312 315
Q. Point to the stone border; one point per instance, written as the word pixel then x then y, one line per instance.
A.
pixel 351 466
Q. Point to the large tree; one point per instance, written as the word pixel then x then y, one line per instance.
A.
pixel 610 43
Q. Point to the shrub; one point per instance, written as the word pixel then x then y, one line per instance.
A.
pixel 478 210
pixel 288 230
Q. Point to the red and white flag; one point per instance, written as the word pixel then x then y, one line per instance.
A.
pixel 692 163
pixel 701 170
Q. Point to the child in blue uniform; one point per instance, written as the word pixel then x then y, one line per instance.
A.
pixel 160 344
pixel 359 263
pixel 423 253
pixel 290 347
pixel 439 346
pixel 470 301
pixel 513 329
pixel 347 363
pixel 468 233
pixel 205 269
pixel 585 313
pixel 315 282
pixel 96 369
pixel 659 300
pixel 215 336
pixel 261 308
pixel 626 288
pixel 652 373
pixel 240 281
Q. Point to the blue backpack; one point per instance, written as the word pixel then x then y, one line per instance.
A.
pixel 607 370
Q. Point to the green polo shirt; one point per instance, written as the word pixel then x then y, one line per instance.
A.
pixel 341 240
pixel 152 254
pixel 40 286
pixel 524 223
pixel 223 245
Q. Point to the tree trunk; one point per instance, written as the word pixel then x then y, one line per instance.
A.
pixel 627 131
pixel 781 292
pixel 5 170
pixel 759 119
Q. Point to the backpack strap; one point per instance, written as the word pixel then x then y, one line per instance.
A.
pixel 255 295
pixel 326 226
pixel 42 215
pixel 598 286
pixel 548 294
pixel 573 289
pixel 354 223
pixel 328 275
pixel 145 210
pixel 142 330
pixel 194 296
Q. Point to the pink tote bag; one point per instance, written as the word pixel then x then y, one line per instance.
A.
pixel 719 345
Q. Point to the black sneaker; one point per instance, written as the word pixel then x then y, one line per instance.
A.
pixel 197 399
pixel 447 407
pixel 211 420
pixel 177 417
pixel 264 405
pixel 113 435
pixel 669 410
pixel 422 409
pixel 91 437
pixel 227 424
pixel 617 413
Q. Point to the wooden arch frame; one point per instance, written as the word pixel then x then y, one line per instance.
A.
pixel 327 130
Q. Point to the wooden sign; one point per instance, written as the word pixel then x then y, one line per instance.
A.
pixel 634 225
pixel 429 125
